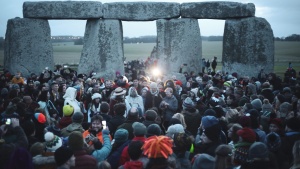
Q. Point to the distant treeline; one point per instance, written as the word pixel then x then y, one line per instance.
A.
pixel 149 39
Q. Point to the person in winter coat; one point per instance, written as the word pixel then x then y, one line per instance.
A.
pixel 82 158
pixel 95 130
pixel 169 106
pixel 134 100
pixel 77 119
pixel 94 106
pixel 70 99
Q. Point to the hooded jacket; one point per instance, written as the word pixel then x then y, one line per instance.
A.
pixel 65 132
pixel 70 99
pixel 134 101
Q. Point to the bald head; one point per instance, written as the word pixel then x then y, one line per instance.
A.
pixel 133 113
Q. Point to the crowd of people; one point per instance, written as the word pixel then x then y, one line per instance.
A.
pixel 61 119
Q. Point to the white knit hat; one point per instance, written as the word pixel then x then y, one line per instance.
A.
pixel 53 142
pixel 96 96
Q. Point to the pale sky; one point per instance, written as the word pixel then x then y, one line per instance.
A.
pixel 283 16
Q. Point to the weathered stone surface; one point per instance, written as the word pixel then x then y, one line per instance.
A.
pixel 179 76
pixel 248 46
pixel 63 9
pixel 103 47
pixel 28 46
pixel 178 42
pixel 141 11
pixel 217 10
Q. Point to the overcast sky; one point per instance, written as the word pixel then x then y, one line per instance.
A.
pixel 283 15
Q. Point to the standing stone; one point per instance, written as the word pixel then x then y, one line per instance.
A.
pixel 178 42
pixel 141 11
pixel 217 10
pixel 28 46
pixel 248 46
pixel 103 47
pixel 63 9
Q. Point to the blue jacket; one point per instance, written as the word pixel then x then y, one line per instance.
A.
pixel 103 153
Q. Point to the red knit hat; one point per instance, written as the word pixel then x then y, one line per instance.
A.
pixel 247 134
pixel 277 122
pixel 178 82
pixel 40 117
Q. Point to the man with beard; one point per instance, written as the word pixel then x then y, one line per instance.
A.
pixel 153 97
pixel 107 91
pixel 95 130
pixel 133 99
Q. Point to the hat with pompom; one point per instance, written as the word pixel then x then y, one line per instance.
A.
pixel 53 142
pixel 40 117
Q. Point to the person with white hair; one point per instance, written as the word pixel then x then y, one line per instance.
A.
pixel 133 99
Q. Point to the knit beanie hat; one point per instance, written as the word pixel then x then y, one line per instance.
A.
pixel 15 86
pixel 178 82
pixel 267 107
pixel 210 112
pixel 227 84
pixel 53 142
pixel 158 147
pixel 139 129
pixel 208 121
pixel 245 121
pixel 153 85
pixel 277 122
pixel 293 123
pixel 4 91
pixel 176 128
pixel 150 115
pixel 258 150
pixel 213 132
pixel 182 141
pixel 77 117
pixel 96 96
pixel 40 117
pixel 204 161
pixel 121 135
pixel 273 141
pixel 247 134
pixel 62 155
pixel 68 110
pixel 257 104
pixel 75 140
pixel 285 107
pixel 188 103
pixel 243 101
pixel 153 129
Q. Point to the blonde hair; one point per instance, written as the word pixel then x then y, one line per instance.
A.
pixel 180 117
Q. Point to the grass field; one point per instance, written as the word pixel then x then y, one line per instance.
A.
pixel 284 52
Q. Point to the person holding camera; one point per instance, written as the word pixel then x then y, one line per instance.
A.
pixel 12 137
pixel 95 130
